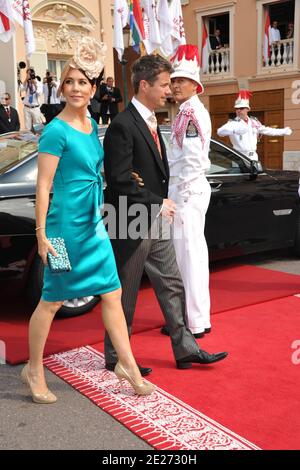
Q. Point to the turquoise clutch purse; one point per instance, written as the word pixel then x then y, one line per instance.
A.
pixel 60 263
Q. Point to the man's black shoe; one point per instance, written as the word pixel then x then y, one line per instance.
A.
pixel 143 370
pixel 202 357
pixel 199 335
pixel 165 331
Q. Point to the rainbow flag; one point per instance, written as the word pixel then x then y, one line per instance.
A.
pixel 136 24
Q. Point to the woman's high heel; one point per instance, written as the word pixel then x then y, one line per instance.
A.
pixel 143 388
pixel 44 398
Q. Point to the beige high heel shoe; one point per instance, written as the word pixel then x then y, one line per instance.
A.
pixel 43 398
pixel 143 388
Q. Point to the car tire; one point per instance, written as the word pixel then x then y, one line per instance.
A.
pixel 71 308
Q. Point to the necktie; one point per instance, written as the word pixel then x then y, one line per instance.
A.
pixel 49 94
pixel 152 124
pixel 7 109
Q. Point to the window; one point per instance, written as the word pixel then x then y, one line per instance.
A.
pixel 277 47
pixel 56 66
pixel 216 28
pixel 219 31
pixel 224 162
pixel 16 147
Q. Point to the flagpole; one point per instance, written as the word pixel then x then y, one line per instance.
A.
pixel 124 79
pixel 124 62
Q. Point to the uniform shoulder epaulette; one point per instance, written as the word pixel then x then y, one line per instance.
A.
pixel 253 117
pixel 188 108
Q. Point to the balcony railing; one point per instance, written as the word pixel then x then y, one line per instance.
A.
pixel 218 62
pixel 281 54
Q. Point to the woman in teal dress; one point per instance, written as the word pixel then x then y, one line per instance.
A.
pixel 70 157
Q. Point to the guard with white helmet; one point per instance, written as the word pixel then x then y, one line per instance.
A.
pixel 244 130
pixel 189 188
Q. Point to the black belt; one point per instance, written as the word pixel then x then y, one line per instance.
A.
pixel 36 106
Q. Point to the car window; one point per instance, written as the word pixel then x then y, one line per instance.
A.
pixel 224 162
pixel 166 134
pixel 16 147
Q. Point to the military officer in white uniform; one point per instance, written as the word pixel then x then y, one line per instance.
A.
pixel 189 188
pixel 244 130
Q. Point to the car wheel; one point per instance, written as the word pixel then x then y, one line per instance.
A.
pixel 70 308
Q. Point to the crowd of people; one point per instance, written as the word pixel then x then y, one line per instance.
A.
pixel 171 186
pixel 42 102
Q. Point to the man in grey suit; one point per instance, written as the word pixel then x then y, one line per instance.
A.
pixel 134 143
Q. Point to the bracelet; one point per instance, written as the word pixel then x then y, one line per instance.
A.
pixel 39 228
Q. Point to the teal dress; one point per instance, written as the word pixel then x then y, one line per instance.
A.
pixel 75 216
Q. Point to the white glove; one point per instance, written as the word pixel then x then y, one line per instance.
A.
pixel 287 131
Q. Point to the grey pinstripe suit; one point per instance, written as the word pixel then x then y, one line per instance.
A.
pixel 129 145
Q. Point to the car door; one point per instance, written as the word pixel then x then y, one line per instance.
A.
pixel 240 217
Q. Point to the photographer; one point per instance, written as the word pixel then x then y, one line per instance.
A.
pixel 33 89
pixel 51 106
pixel 110 96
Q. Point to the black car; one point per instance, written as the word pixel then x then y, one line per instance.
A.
pixel 251 210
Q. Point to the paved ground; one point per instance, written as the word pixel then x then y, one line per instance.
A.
pixel 74 422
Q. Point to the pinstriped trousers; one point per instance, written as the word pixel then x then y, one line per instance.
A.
pixel 157 256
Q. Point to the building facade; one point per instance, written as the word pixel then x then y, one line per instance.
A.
pixel 272 75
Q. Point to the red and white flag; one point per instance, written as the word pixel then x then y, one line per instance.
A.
pixel 6 20
pixel 152 34
pixel 165 28
pixel 22 15
pixel 178 34
pixel 205 48
pixel 121 18
pixel 267 52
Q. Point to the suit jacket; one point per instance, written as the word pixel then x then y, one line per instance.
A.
pixel 5 125
pixel 108 105
pixel 129 146
pixel 214 43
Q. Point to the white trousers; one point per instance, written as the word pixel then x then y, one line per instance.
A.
pixel 32 116
pixel 192 252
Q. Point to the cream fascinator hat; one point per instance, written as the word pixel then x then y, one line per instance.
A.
pixel 89 56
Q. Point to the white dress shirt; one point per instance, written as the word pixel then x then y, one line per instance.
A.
pixel 145 112
pixel 53 98
pixel 36 92
pixel 274 35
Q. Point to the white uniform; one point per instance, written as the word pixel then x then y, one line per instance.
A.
pixel 190 190
pixel 244 135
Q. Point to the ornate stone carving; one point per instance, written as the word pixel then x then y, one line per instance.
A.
pixel 87 23
pixel 60 12
pixel 63 38
pixel 62 26
pixel 43 32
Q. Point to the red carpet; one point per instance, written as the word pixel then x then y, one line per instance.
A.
pixel 254 393
pixel 161 419
pixel 231 288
